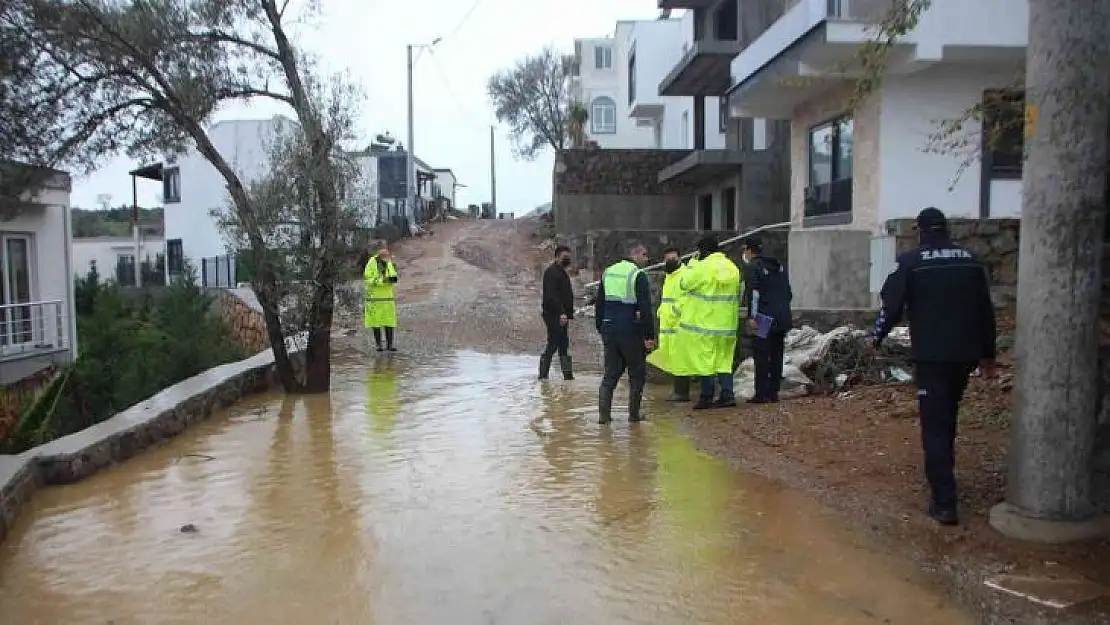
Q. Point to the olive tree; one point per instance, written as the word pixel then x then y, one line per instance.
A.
pixel 145 77
pixel 533 98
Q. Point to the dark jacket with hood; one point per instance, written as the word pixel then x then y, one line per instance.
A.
pixel 767 277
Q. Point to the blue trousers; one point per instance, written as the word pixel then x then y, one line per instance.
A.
pixel 724 380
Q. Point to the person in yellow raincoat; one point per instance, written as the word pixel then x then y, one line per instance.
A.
pixel 666 351
pixel 380 305
pixel 709 323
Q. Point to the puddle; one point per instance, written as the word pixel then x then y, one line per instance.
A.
pixel 452 492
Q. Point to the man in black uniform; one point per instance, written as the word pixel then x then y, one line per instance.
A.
pixel 557 311
pixel 767 292
pixel 946 292
pixel 623 315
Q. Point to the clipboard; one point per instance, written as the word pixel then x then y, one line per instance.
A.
pixel 763 325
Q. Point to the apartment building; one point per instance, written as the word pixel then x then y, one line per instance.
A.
pixel 855 168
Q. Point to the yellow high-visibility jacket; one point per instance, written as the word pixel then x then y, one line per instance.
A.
pixel 709 317
pixel 379 306
pixel 668 313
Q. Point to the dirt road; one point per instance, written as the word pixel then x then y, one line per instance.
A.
pixel 474 285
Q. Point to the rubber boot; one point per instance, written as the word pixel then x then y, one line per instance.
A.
pixel 604 406
pixel 681 390
pixel 545 366
pixel 567 366
pixel 635 397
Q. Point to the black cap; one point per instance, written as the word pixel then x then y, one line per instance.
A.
pixel 707 245
pixel 752 243
pixel 931 220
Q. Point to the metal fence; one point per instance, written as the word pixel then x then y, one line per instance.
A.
pixel 33 327
pixel 218 272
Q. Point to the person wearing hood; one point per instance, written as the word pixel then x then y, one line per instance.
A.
pixel 945 292
pixel 767 294
pixel 557 310
pixel 709 323
pixel 668 350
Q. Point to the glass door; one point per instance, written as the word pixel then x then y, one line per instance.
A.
pixel 15 271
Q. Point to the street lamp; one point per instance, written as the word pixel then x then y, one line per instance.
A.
pixel 410 161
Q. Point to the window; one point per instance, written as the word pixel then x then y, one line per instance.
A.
pixel 632 76
pixel 705 211
pixel 603 57
pixel 829 189
pixel 1003 134
pixel 171 185
pixel 685 130
pixel 175 257
pixel 722 113
pixel 728 205
pixel 603 116
pixel 16 287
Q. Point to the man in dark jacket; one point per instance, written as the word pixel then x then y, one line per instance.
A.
pixel 557 311
pixel 946 292
pixel 767 293
pixel 623 315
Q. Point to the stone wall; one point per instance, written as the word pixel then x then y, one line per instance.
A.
pixel 144 425
pixel 244 320
pixel 994 241
pixel 599 248
pixel 606 189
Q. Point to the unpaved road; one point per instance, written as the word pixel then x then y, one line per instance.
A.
pixel 473 284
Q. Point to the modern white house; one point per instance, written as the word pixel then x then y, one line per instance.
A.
pixel 107 253
pixel 855 169
pixel 446 185
pixel 616 81
pixel 38 321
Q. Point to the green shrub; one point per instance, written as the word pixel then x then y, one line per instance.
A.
pixel 130 348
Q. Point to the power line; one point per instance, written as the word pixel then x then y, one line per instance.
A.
pixel 463 20
pixel 465 110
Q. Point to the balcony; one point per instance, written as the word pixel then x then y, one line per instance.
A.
pixel 702 167
pixel 813 43
pixel 703 70
pixel 32 336
pixel 687 4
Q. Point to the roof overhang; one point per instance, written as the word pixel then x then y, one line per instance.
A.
pixel 705 70
pixel 706 166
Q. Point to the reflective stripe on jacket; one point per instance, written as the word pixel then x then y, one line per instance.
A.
pixel 379 306
pixel 709 316
pixel 665 351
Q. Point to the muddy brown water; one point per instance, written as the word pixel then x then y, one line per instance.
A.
pixel 452 492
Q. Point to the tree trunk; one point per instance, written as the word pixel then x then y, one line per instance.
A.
pixel 318 353
pixel 1059 278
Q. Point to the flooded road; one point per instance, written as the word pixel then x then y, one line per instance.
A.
pixel 456 493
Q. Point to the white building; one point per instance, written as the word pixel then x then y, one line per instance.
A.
pixel 616 83
pixel 38 322
pixel 852 170
pixel 446 185
pixel 107 253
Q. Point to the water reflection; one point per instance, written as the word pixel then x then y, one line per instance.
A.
pixel 494 500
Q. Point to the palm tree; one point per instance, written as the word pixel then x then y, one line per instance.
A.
pixel 576 124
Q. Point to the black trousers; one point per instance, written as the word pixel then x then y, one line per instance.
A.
pixel 768 354
pixel 558 338
pixel 940 387
pixel 624 352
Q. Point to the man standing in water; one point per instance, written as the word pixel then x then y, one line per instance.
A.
pixel 557 309
pixel 623 315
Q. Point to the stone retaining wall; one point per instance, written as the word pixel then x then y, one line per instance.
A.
pixel 148 423
pixel 245 323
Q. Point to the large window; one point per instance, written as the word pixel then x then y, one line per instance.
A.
pixel 722 113
pixel 1003 134
pixel 603 116
pixel 829 186
pixel 171 185
pixel 16 287
pixel 603 57
pixel 175 257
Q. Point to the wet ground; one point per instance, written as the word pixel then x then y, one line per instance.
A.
pixel 449 489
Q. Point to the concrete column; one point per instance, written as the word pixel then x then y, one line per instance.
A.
pixel 699 123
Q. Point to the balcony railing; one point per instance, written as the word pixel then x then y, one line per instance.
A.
pixel 33 328
pixel 869 11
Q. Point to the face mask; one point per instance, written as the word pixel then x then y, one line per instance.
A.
pixel 564 262
pixel 671 266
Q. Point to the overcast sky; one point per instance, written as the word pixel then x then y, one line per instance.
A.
pixel 452 112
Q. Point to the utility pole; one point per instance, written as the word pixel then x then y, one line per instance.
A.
pixel 492 171
pixel 135 230
pixel 410 160
pixel 1049 494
